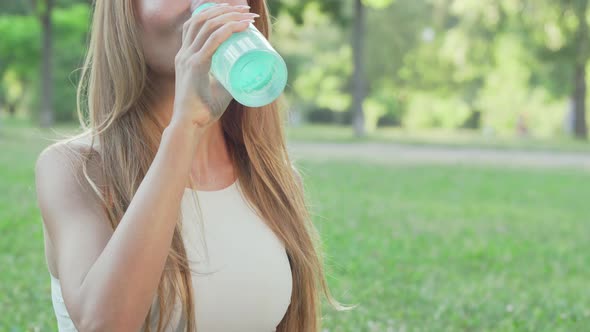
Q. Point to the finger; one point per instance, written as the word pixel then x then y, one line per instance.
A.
pixel 219 36
pixel 208 16
pixel 189 22
pixel 216 23
pixel 193 25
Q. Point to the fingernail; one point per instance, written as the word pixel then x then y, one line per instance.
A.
pixel 253 14
pixel 248 20
pixel 243 6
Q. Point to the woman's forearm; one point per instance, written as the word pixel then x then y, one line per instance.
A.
pixel 119 288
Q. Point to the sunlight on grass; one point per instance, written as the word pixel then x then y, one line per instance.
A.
pixel 419 248
pixel 454 248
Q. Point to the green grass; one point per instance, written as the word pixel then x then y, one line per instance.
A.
pixel 419 248
pixel 434 137
pixel 25 302
pixel 454 249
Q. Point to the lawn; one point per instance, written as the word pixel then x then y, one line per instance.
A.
pixel 419 248
pixel 454 249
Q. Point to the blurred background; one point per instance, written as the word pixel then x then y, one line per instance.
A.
pixel 443 145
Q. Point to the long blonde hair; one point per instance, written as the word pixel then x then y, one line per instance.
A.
pixel 114 107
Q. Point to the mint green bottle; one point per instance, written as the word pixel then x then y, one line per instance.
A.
pixel 248 67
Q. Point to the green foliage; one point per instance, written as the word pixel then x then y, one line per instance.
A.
pixel 13 87
pixel 506 95
pixel 20 45
pixel 382 103
pixel 324 61
pixel 322 64
pixel 427 63
pixel 324 83
pixel 20 54
pixel 19 59
pixel 71 24
pixel 296 9
pixel 428 110
pixel 18 7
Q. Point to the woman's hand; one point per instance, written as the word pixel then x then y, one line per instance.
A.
pixel 199 98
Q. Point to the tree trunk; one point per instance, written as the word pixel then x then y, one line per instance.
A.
pixel 11 109
pixel 47 116
pixel 359 72
pixel 581 59
pixel 580 128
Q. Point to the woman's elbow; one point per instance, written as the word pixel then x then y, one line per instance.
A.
pixel 99 324
pixel 96 320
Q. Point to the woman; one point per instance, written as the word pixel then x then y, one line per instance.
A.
pixel 177 209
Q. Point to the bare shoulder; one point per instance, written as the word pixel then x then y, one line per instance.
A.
pixel 59 176
pixel 59 166
pixel 80 144
pixel 68 205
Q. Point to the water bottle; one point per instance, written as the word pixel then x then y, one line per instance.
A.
pixel 248 67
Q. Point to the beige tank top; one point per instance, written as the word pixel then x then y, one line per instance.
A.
pixel 246 283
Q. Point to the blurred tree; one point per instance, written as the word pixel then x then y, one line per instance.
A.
pixel 21 41
pixel 476 63
pixel 296 9
pixel 15 7
pixel 19 57
pixel 359 84
pixel 11 60
pixel 452 59
pixel 44 10
pixel 558 29
pixel 71 24
pixel 337 10
pixel 443 63
pixel 27 7
pixel 320 65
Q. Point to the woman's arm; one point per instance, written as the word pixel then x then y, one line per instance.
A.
pixel 108 278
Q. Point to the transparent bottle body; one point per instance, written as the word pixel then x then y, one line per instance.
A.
pixel 249 68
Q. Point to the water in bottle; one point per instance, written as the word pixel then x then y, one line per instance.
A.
pixel 249 68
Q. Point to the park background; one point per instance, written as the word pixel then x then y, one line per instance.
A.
pixel 443 146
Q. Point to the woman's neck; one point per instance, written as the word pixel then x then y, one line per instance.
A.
pixel 211 162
